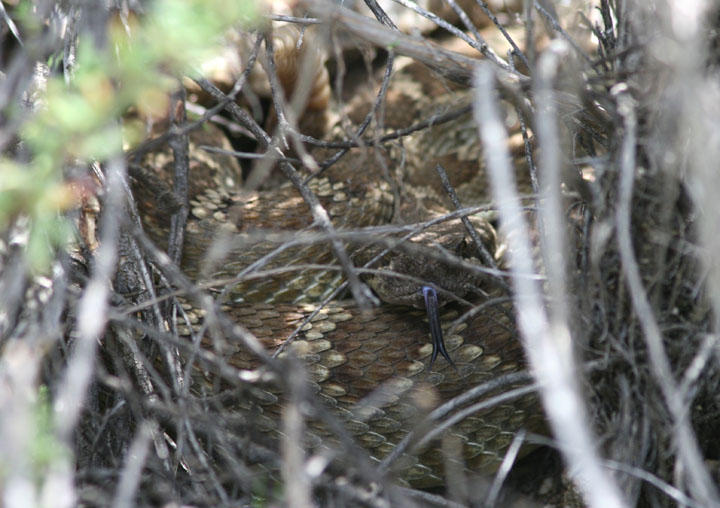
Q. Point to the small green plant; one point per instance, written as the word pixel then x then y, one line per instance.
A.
pixel 45 449
pixel 78 121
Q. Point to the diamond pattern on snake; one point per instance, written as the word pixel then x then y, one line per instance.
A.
pixel 264 255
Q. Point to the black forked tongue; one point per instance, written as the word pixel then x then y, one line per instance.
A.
pixel 433 313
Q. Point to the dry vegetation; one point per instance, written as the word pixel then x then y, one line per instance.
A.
pixel 621 114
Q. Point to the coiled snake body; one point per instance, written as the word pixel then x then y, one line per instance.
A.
pixel 371 366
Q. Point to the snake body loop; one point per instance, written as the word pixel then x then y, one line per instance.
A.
pixel 373 368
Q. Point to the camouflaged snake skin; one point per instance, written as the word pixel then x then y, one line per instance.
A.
pixel 348 353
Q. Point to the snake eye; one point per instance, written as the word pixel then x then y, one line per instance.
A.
pixel 463 248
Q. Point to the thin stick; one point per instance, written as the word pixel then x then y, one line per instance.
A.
pixel 559 393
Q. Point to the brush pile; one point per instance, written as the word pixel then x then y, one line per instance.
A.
pixel 618 104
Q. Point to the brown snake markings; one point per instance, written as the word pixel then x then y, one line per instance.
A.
pixel 349 354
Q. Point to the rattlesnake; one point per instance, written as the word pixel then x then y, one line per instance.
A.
pixel 370 365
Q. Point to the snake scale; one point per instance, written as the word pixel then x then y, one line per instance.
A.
pixel 353 356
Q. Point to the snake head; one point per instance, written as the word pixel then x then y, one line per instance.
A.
pixel 434 258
